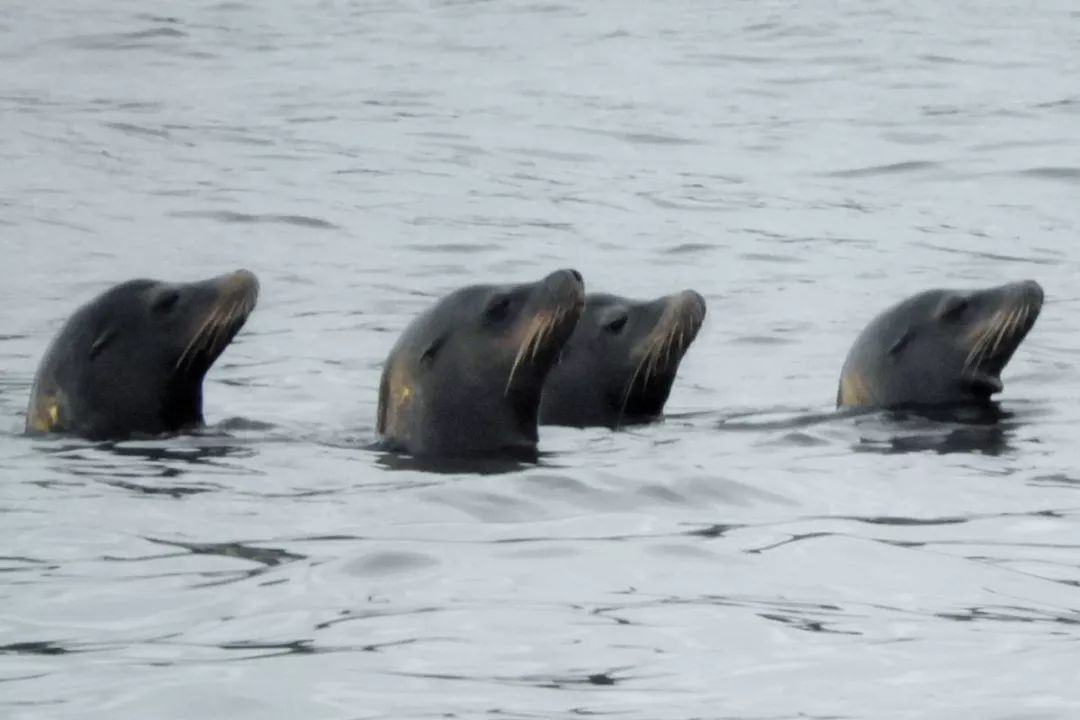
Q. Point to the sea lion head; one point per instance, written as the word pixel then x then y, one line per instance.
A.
pixel 132 361
pixel 620 363
pixel 939 347
pixel 465 377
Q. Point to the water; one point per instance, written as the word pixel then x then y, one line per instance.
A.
pixel 802 165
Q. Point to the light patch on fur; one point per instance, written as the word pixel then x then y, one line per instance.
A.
pixel 854 392
pixel 398 401
pixel 45 415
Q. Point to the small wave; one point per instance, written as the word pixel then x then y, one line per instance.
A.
pixel 1064 174
pixel 689 248
pixel 771 257
pixel 997 257
pixel 889 169
pixel 454 248
pixel 124 41
pixel 729 59
pixel 229 216
pixel 481 221
pixel 642 137
pixel 132 129
pixel 389 562
pixel 763 340
pixel 555 155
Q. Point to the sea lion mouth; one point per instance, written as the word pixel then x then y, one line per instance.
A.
pixel 562 301
pixel 660 354
pixel 983 385
pixel 234 297
pixel 995 340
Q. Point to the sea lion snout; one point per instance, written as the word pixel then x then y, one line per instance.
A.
pixel 691 300
pixel 1030 291
pixel 567 286
pixel 239 284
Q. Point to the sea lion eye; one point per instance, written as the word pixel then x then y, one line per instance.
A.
pixel 954 309
pixel 498 309
pixel 615 326
pixel 166 302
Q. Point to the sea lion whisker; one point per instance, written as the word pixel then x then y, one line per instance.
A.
pixel 187 348
pixel 537 340
pixel 975 356
pixel 654 349
pixel 1002 327
pixel 672 344
pixel 676 331
pixel 988 333
pixel 219 328
pixel 1014 323
pixel 648 355
pixel 221 323
pixel 197 338
pixel 650 370
pixel 523 350
pixel 546 327
pixel 630 386
pixel 665 348
pixel 1021 316
pixel 549 325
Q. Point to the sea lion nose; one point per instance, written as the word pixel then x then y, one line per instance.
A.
pixel 568 279
pixel 694 299
pixel 1031 290
pixel 239 283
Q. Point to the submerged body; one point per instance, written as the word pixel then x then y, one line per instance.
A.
pixel 465 377
pixel 620 363
pixel 132 361
pixel 940 347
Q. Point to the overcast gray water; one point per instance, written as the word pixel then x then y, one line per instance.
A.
pixel 801 164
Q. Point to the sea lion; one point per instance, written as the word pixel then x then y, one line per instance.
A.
pixel 132 360
pixel 939 347
pixel 620 363
pixel 465 377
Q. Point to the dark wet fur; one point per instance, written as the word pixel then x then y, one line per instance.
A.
pixel 464 379
pixel 939 348
pixel 131 362
pixel 619 366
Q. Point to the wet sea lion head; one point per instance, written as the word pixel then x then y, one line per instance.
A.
pixel 939 347
pixel 621 361
pixel 132 361
pixel 465 377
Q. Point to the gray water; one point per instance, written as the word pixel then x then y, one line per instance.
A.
pixel 801 164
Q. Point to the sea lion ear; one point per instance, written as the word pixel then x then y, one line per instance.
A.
pixel 897 347
pixel 101 343
pixel 427 358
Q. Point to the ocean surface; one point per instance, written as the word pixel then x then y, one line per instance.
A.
pixel 801 164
